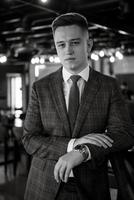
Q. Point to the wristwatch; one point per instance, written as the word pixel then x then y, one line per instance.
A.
pixel 83 150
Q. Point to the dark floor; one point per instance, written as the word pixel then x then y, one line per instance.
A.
pixel 12 188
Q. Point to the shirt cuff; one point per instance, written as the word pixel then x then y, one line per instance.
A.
pixel 70 145
pixel 89 153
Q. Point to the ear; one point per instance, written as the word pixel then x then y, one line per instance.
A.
pixel 89 45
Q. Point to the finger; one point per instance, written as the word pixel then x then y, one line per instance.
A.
pixel 104 140
pixel 102 137
pixel 62 172
pixel 107 137
pixel 90 140
pixel 94 141
pixel 98 141
pixel 67 173
pixel 101 140
pixel 56 172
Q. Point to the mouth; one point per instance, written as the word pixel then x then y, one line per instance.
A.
pixel 69 59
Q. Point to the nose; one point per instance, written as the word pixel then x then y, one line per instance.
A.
pixel 69 49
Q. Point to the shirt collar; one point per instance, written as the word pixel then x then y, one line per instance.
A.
pixel 84 74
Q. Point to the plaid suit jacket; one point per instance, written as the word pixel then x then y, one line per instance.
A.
pixel 47 133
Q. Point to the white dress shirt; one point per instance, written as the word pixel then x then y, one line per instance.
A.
pixel 67 83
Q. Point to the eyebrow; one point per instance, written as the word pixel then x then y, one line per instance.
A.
pixel 75 39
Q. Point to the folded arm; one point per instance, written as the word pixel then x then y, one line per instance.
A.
pixel 37 141
pixel 119 135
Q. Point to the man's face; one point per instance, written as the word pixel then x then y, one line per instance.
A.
pixel 73 47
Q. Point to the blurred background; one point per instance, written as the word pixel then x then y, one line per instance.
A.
pixel 27 53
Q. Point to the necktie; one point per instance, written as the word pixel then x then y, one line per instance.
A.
pixel 73 101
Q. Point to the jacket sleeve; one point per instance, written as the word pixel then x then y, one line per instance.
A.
pixel 36 141
pixel 119 126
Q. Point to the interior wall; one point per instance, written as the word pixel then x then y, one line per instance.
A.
pixel 128 78
pixel 124 71
pixel 124 66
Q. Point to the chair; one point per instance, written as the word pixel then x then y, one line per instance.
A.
pixel 24 156
pixel 8 149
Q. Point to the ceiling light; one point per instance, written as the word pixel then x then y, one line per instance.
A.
pixel 37 60
pixel 119 55
pixel 3 58
pixel 101 53
pixel 51 59
pixel 44 1
pixel 94 57
pixel 42 61
pixel 101 26
pixel 112 59
pixel 123 32
pixel 33 61
pixel 56 59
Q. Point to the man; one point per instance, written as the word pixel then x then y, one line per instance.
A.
pixel 70 152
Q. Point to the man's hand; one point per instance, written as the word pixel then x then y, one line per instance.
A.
pixel 101 140
pixel 65 164
pixel 68 161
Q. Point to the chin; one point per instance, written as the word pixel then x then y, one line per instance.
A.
pixel 74 70
pixel 72 67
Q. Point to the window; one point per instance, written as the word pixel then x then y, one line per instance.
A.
pixel 14 91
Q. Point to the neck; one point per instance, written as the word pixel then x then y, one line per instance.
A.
pixel 74 72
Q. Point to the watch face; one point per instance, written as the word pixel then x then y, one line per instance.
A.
pixel 81 148
pixel 78 147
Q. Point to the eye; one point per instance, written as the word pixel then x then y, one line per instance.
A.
pixel 61 45
pixel 75 43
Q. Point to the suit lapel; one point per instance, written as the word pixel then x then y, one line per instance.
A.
pixel 56 89
pixel 90 91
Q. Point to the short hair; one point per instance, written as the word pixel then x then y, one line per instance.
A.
pixel 70 19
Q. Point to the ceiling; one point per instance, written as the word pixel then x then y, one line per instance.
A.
pixel 25 25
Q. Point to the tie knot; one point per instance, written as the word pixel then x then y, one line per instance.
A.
pixel 75 78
